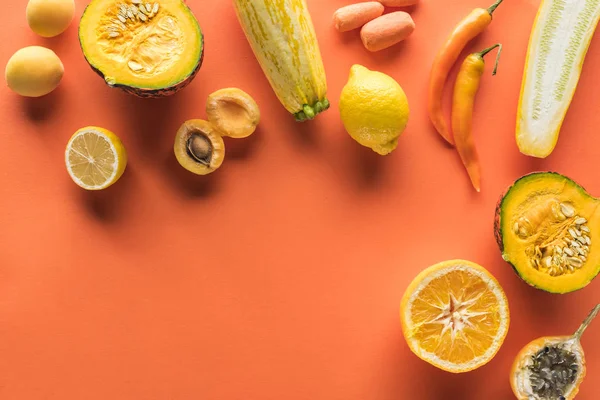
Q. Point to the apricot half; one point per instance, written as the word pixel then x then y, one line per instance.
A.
pixel 199 148
pixel 233 112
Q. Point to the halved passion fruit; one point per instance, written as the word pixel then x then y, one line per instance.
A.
pixel 551 367
pixel 545 226
pixel 150 49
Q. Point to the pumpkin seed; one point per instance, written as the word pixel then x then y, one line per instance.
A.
pixel 572 233
pixel 575 261
pixel 558 250
pixel 134 66
pixel 568 210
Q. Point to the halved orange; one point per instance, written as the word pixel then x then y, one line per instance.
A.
pixel 455 316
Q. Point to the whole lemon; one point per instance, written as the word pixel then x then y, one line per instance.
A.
pixel 34 71
pixel 374 109
pixel 49 18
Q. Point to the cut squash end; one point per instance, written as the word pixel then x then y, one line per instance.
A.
pixel 558 44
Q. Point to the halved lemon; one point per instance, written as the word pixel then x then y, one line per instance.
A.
pixel 95 158
pixel 455 316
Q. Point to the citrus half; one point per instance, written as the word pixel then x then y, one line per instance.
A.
pixel 455 316
pixel 95 158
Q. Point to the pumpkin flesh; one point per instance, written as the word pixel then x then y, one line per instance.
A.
pixel 530 225
pixel 156 50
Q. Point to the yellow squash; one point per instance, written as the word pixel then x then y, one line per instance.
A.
pixel 558 44
pixel 283 39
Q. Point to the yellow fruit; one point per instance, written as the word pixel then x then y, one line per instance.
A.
pixel 49 18
pixel 233 112
pixel 455 316
pixel 199 147
pixel 34 71
pixel 95 158
pixel 374 109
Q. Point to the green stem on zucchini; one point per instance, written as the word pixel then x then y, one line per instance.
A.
pixel 310 112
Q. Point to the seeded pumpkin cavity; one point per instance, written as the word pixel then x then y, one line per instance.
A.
pixel 558 239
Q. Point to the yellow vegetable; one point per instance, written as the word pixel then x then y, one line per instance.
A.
pixel 558 44
pixel 34 71
pixel 283 40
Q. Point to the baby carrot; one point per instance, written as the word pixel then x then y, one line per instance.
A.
pixel 387 30
pixel 470 27
pixel 356 15
pixel 465 90
pixel 398 3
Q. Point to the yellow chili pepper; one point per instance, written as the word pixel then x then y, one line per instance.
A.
pixel 465 89
pixel 466 30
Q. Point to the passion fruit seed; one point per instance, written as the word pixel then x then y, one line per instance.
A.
pixel 200 148
pixel 561 239
pixel 553 370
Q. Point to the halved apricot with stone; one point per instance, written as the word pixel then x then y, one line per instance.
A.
pixel 233 112
pixel 199 148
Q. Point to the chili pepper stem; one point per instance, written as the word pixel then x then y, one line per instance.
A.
pixel 587 322
pixel 493 7
pixel 485 51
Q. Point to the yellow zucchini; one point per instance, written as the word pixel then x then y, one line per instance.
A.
pixel 283 39
pixel 558 44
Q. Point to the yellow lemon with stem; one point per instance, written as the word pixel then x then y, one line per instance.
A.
pixel 374 109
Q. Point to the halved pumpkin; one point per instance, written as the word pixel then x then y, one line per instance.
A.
pixel 150 49
pixel 546 226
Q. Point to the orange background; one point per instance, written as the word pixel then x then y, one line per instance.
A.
pixel 280 275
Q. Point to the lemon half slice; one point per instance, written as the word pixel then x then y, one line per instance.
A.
pixel 95 158
pixel 455 316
